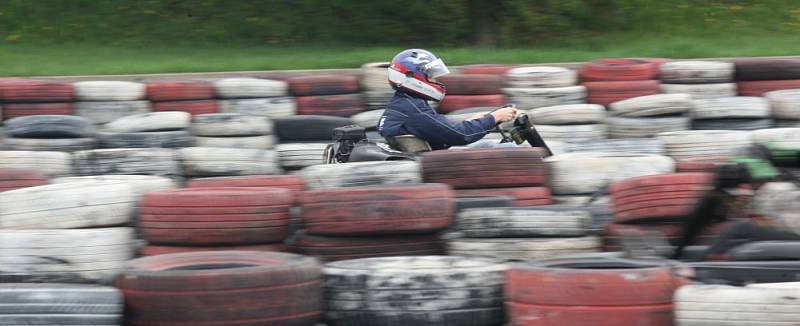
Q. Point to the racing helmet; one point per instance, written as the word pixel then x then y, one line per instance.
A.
pixel 415 71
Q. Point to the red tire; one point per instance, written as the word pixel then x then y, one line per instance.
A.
pixel 591 289
pixel 180 91
pixel 758 88
pixel 291 182
pixel 29 90
pixel 522 196
pixel 378 210
pixel 240 288
pixel 703 164
pixel 620 69
pixel 663 196
pixel 323 85
pixel 14 110
pixel 193 107
pixel 520 314
pixel 472 84
pixel 607 92
pixel 486 69
pixel 151 250
pixel 465 169
pixel 11 179
pixel 451 103
pixel 343 248
pixel 215 216
pixel 332 105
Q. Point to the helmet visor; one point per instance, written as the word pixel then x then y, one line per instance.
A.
pixel 436 69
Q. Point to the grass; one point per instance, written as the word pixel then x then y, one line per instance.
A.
pixel 98 59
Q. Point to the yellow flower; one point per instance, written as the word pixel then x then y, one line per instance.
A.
pixel 12 37
pixel 148 12
pixel 735 7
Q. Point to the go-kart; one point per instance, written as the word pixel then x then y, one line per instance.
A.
pixel 351 144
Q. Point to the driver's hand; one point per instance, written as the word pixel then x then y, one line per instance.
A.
pixel 504 115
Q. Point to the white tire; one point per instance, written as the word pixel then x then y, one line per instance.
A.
pixel 628 145
pixel 155 121
pixel 250 88
pixel 150 161
pixel 49 144
pixel 521 248
pixel 585 173
pixel 531 98
pixel 94 254
pixel 684 144
pixel 730 107
pixel 541 76
pixel 723 305
pixel 274 107
pixel 701 91
pixel 361 174
pixel 696 72
pixel 652 105
pixel 572 133
pixel 252 142
pixel 785 104
pixel 107 111
pixel 367 119
pixel 140 184
pixel 375 77
pixel 300 155
pixel 568 114
pixel 518 222
pixel 619 127
pixel 230 124
pixel 70 205
pixel 109 91
pixel 213 161
pixel 779 136
pixel 52 164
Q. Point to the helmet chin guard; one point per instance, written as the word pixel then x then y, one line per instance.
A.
pixel 414 71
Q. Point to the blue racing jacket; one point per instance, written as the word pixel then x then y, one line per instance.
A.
pixel 406 114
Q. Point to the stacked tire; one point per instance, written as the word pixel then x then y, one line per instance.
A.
pixel 127 161
pixel 647 116
pixel 232 130
pixel 622 146
pixel 254 96
pixel 700 79
pixel 731 113
pixel 148 130
pixel 522 233
pixel 570 123
pixel 60 304
pixel 785 107
pixel 375 85
pixel 73 232
pixel 753 304
pixel 361 222
pixel 758 76
pixel 611 80
pixel 23 97
pixel 195 219
pixel 535 87
pixel 681 145
pixel 471 90
pixel 333 95
pixel 194 97
pixel 585 173
pixel 222 288
pixel 49 133
pixel 106 101
pixel 427 290
pixel 360 174
pixel 657 204
pixel 515 172
pixel 51 164
pixel 591 291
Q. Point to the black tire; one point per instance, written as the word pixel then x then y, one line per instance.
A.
pixel 49 126
pixel 732 124
pixel 60 304
pixel 766 250
pixel 743 272
pixel 483 202
pixel 165 139
pixel 308 127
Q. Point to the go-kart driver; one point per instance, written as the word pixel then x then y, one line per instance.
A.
pixel 413 74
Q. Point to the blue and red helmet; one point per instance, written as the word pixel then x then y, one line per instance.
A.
pixel 415 71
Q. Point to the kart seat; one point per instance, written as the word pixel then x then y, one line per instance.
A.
pixel 408 144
